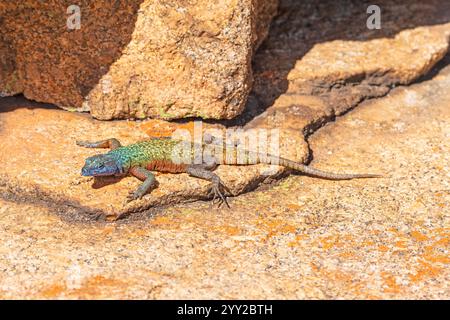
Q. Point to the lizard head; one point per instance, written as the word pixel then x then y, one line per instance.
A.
pixel 101 165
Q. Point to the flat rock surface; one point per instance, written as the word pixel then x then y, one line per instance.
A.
pixel 45 164
pixel 304 238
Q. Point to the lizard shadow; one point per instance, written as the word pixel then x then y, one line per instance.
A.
pixel 100 182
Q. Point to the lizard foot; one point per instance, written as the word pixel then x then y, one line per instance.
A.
pixel 135 195
pixel 218 188
pixel 85 144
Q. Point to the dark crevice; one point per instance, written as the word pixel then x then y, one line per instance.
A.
pixel 8 104
pixel 314 126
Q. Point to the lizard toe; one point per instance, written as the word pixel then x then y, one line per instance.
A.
pixel 134 195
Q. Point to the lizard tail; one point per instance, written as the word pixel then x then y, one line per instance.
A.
pixel 323 174
pixel 255 157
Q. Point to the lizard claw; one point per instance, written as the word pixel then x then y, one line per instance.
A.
pixel 218 189
pixel 134 195
pixel 83 144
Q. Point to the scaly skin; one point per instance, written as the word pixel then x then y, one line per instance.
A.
pixel 168 155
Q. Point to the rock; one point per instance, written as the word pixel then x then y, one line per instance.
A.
pixel 346 72
pixel 135 59
pixel 303 239
pixel 335 76
pixel 324 32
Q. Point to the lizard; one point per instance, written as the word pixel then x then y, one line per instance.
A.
pixel 157 154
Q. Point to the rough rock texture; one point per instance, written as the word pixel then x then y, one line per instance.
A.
pixel 335 76
pixel 305 238
pixel 50 134
pixel 346 72
pixel 325 48
pixel 134 59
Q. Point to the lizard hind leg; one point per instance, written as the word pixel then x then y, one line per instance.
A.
pixel 149 182
pixel 108 143
pixel 218 188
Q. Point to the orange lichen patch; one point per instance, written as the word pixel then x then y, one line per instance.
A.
pixel 297 240
pixel 437 258
pixel 90 288
pixel 391 283
pixel 393 230
pixel 416 235
pixel 274 227
pixel 347 238
pixel 292 243
pixel 426 270
pixel 165 222
pixel 330 242
pixel 431 256
pixel 441 237
pixel 347 255
pixel 54 290
pixel 94 286
pixel 444 242
pixel 419 203
pixel 314 267
pixel 337 241
pixel 100 280
pixel 229 230
pixel 293 206
pixel 383 248
pixel 401 244
pixel 367 243
pixel 436 149
pixel 281 230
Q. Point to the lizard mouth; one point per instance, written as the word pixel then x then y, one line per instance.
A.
pixel 95 172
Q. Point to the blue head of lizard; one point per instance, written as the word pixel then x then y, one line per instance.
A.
pixel 101 165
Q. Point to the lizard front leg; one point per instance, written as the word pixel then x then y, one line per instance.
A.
pixel 143 175
pixel 217 187
pixel 108 143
